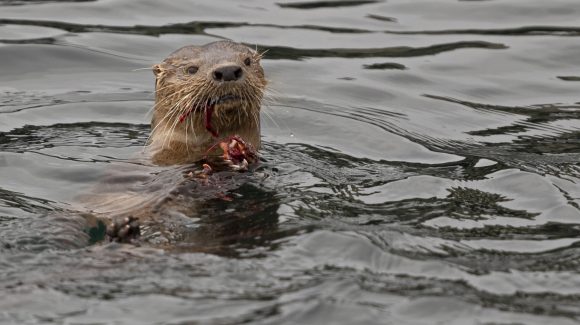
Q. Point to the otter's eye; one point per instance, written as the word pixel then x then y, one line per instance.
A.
pixel 191 70
pixel 248 61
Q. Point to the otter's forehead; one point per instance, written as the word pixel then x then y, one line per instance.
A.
pixel 211 53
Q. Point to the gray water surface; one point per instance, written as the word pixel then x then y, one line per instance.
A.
pixel 421 165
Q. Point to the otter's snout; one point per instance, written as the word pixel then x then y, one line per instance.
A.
pixel 228 73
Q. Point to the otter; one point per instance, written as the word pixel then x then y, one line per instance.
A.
pixel 202 93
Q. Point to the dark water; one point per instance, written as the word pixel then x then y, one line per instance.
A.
pixel 420 166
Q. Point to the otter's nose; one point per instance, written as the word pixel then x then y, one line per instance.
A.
pixel 228 73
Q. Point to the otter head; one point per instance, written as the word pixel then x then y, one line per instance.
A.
pixel 202 94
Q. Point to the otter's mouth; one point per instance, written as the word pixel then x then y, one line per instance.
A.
pixel 208 109
pixel 224 99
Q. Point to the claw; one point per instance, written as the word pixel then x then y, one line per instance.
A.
pixel 124 230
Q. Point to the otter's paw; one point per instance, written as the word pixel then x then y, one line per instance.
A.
pixel 238 154
pixel 124 230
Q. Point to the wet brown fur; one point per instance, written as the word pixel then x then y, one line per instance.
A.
pixel 178 92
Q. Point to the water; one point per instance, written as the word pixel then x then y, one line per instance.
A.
pixel 420 165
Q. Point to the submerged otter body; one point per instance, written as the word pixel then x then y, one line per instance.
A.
pixel 203 93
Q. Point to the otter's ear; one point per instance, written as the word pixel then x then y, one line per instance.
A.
pixel 156 69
